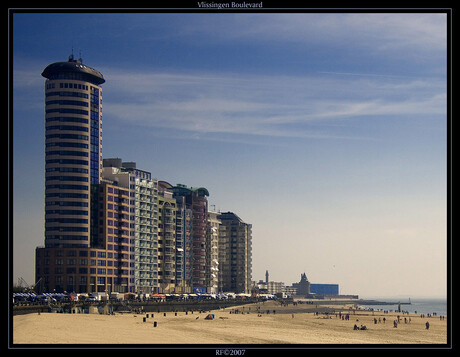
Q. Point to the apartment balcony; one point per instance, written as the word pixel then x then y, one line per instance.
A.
pixel 145 276
pixel 168 235
pixel 169 244
pixel 169 251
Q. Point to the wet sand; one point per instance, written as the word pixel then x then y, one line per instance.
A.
pixel 289 325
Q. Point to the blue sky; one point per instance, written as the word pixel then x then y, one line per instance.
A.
pixel 327 132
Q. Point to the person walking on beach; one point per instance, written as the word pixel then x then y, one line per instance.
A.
pixel 427 325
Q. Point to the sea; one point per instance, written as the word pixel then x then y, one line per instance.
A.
pixel 417 306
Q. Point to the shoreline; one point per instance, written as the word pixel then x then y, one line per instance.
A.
pixel 252 324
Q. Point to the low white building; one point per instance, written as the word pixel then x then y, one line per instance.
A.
pixel 272 287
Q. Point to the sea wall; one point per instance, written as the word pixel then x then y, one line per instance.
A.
pixel 127 306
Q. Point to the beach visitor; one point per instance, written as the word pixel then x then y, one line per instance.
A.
pixel 427 325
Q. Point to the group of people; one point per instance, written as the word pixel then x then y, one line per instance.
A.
pixel 395 322
pixel 363 327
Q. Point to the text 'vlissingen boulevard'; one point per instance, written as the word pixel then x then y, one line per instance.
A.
pixel 224 5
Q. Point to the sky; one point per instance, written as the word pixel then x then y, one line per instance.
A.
pixel 326 131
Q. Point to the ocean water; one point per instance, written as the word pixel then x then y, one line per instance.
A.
pixel 419 306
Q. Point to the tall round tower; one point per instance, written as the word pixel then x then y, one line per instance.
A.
pixel 73 151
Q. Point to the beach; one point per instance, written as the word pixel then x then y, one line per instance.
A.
pixel 268 323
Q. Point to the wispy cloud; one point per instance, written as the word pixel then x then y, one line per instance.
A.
pixel 263 104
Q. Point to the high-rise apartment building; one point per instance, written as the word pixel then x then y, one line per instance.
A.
pixel 143 221
pixel 114 272
pixel 195 200
pixel 168 212
pixel 183 245
pixel 73 152
pixel 235 254
pixel 145 228
pixel 73 163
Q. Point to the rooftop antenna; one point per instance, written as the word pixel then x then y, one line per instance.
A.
pixel 71 55
pixel 79 56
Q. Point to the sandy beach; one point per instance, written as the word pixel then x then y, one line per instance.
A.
pixel 289 325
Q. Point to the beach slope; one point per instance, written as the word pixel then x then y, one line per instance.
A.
pixel 250 324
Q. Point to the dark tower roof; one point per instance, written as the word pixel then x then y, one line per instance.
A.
pixel 73 69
